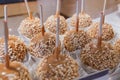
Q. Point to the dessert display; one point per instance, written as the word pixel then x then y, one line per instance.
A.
pixel 16 48
pixel 30 25
pixel 43 43
pixel 84 19
pixel 99 55
pixel 107 31
pixel 11 70
pixel 75 39
pixel 57 66
pixel 18 72
pixel 57 50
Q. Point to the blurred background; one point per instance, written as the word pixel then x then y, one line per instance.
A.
pixel 17 10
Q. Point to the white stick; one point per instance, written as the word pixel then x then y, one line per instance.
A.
pixel 101 23
pixel 5 13
pixel 104 6
pixel 41 15
pixel 58 22
pixel 77 7
pixel 28 9
pixel 82 5
pixel 57 31
pixel 5 30
pixel 58 6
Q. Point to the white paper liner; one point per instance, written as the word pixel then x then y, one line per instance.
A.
pixel 27 56
pixel 2 59
pixel 73 54
pixel 32 65
pixel 24 38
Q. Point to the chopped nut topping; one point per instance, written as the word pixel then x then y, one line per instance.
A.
pixel 41 46
pixel 75 40
pixel 21 72
pixel 84 20
pixel 100 59
pixel 16 48
pixel 65 68
pixel 50 24
pixel 30 27
pixel 117 45
pixel 107 31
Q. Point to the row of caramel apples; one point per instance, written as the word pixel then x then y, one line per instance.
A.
pixel 44 42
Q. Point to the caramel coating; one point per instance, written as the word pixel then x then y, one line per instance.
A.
pixel 20 72
pixel 17 50
pixel 117 46
pixel 84 20
pixel 65 68
pixel 29 27
pixel 75 40
pixel 50 24
pixel 41 46
pixel 107 31
pixel 100 59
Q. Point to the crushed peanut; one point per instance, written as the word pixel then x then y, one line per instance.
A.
pixel 30 27
pixel 84 20
pixel 21 72
pixel 65 68
pixel 107 31
pixel 50 24
pixel 75 40
pixel 17 50
pixel 100 59
pixel 41 46
pixel 117 45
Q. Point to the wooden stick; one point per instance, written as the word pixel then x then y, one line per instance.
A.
pixel 58 7
pixel 100 30
pixel 77 15
pixel 103 18
pixel 28 9
pixel 6 37
pixel 41 20
pixel 104 7
pixel 82 6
